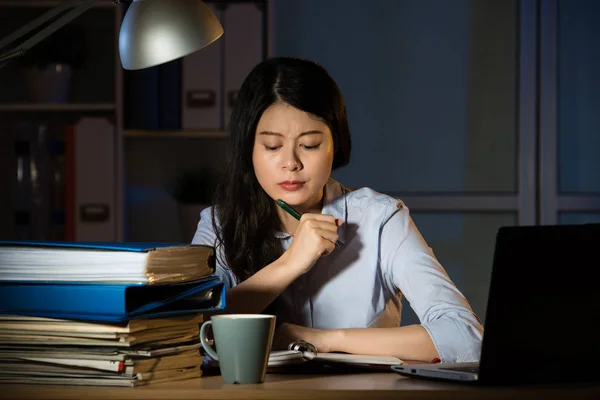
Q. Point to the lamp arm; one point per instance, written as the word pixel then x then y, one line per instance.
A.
pixel 37 22
pixel 78 8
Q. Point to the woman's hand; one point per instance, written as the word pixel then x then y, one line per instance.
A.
pixel 315 237
pixel 287 333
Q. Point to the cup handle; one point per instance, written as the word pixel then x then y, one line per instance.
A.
pixel 211 352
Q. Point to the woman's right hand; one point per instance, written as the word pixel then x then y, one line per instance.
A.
pixel 315 237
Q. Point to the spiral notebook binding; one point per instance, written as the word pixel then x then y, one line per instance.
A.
pixel 303 346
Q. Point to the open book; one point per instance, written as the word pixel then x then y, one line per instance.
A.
pixel 295 357
pixel 304 355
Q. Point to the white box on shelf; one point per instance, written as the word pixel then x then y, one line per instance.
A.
pixel 201 80
pixel 243 36
pixel 95 161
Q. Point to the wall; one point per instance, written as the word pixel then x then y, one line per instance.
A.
pixel 431 91
pixel 414 75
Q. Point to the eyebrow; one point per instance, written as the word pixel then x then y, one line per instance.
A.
pixel 269 133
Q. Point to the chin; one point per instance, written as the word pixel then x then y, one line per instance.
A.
pixel 295 199
pixel 292 199
pixel 288 196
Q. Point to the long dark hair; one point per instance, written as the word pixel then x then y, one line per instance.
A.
pixel 245 219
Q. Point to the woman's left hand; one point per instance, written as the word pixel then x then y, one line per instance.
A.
pixel 287 333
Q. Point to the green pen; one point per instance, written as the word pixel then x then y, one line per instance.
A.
pixel 290 210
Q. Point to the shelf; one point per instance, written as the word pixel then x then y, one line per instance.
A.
pixel 57 107
pixel 192 134
pixel 46 3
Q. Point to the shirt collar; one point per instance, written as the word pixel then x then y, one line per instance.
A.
pixel 335 204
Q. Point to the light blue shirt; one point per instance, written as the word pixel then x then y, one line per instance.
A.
pixel 382 257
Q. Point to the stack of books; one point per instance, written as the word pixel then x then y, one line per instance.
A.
pixel 103 314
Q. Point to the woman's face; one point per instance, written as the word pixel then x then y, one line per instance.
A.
pixel 292 156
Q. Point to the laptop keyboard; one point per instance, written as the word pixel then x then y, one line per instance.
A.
pixel 472 369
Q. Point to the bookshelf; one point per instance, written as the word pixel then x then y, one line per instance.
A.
pixel 146 129
pixel 33 107
pixel 192 134
pixel 37 125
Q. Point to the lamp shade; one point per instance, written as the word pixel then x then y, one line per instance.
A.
pixel 154 32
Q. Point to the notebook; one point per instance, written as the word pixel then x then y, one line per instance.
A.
pixel 293 357
pixel 301 352
pixel 541 323
pixel 148 263
pixel 302 357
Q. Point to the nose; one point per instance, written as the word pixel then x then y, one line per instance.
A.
pixel 291 161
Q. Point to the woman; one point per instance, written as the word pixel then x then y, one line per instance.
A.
pixel 336 277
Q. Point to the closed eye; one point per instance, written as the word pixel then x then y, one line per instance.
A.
pixel 272 148
pixel 311 147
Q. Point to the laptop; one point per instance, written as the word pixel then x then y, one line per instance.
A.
pixel 542 323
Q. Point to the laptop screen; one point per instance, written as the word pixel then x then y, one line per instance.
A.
pixel 544 305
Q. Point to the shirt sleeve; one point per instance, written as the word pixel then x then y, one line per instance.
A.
pixel 410 267
pixel 205 235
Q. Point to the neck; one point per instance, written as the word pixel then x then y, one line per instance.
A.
pixel 289 224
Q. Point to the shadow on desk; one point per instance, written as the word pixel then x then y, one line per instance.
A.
pixel 309 368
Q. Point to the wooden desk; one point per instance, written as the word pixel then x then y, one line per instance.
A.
pixel 379 386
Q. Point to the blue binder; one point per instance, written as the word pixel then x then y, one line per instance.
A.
pixel 107 302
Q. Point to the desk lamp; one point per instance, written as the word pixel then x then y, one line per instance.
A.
pixel 153 32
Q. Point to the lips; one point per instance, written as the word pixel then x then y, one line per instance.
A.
pixel 291 185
